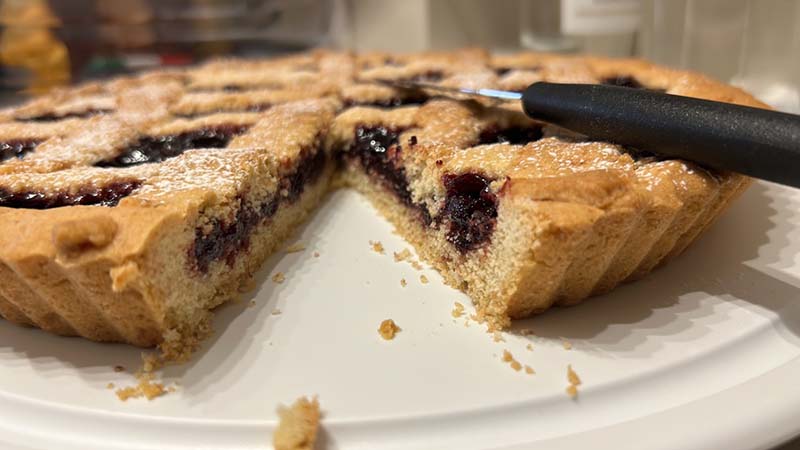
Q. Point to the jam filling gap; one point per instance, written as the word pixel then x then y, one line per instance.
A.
pixel 516 135
pixel 502 71
pixel 17 148
pixel 154 149
pixel 53 117
pixel 628 81
pixel 106 195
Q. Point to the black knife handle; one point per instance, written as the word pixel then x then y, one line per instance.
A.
pixel 756 142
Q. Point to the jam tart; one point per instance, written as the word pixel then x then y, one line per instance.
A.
pixel 131 208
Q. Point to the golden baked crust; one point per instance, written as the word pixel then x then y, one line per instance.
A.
pixel 518 214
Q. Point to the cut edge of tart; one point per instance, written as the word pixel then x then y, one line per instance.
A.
pixel 130 209
pixel 176 238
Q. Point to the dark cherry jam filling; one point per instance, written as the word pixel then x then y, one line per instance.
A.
pixel 513 135
pixel 412 97
pixel 228 238
pixel 623 81
pixel 17 148
pixel 628 82
pixel 501 71
pixel 52 117
pixel 308 171
pixel 378 152
pixel 108 195
pixel 153 149
pixel 471 209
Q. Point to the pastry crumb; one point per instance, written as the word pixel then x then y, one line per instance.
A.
pixel 416 265
pixel 377 247
pixel 402 255
pixel 388 329
pixel 295 248
pixel 567 344
pixel 144 388
pixel 498 337
pixel 110 386
pixel 279 277
pixel 316 254
pixel 298 425
pixel 509 358
pixel 572 377
pixel 119 368
pixel 574 381
pixel 251 303
pixel 526 332
pixel 529 370
pixel 276 312
pixel 529 347
pixel 423 279
pixel 572 391
pixel 403 282
pixel 458 310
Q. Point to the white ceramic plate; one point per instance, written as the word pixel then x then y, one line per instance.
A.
pixel 701 354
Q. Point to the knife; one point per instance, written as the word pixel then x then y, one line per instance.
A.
pixel 756 142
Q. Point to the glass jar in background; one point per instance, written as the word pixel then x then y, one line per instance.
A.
pixel 754 44
pixel 30 49
pixel 606 27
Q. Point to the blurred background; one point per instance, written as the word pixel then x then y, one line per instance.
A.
pixel 46 43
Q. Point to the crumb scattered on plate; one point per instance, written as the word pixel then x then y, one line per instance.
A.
pixel 316 254
pixel 145 387
pixel 567 344
pixel 298 425
pixel 279 277
pixel 110 386
pixel 251 303
pixel 402 255
pixel 529 347
pixel 509 358
pixel 119 368
pixel 423 279
pixel 498 336
pixel 458 310
pixel 403 282
pixel 377 246
pixel 276 312
pixel 416 265
pixel 572 391
pixel 529 370
pixel 295 248
pixel 388 329
pixel 574 381
pixel 526 332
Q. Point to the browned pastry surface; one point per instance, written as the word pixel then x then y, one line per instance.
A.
pixel 129 209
